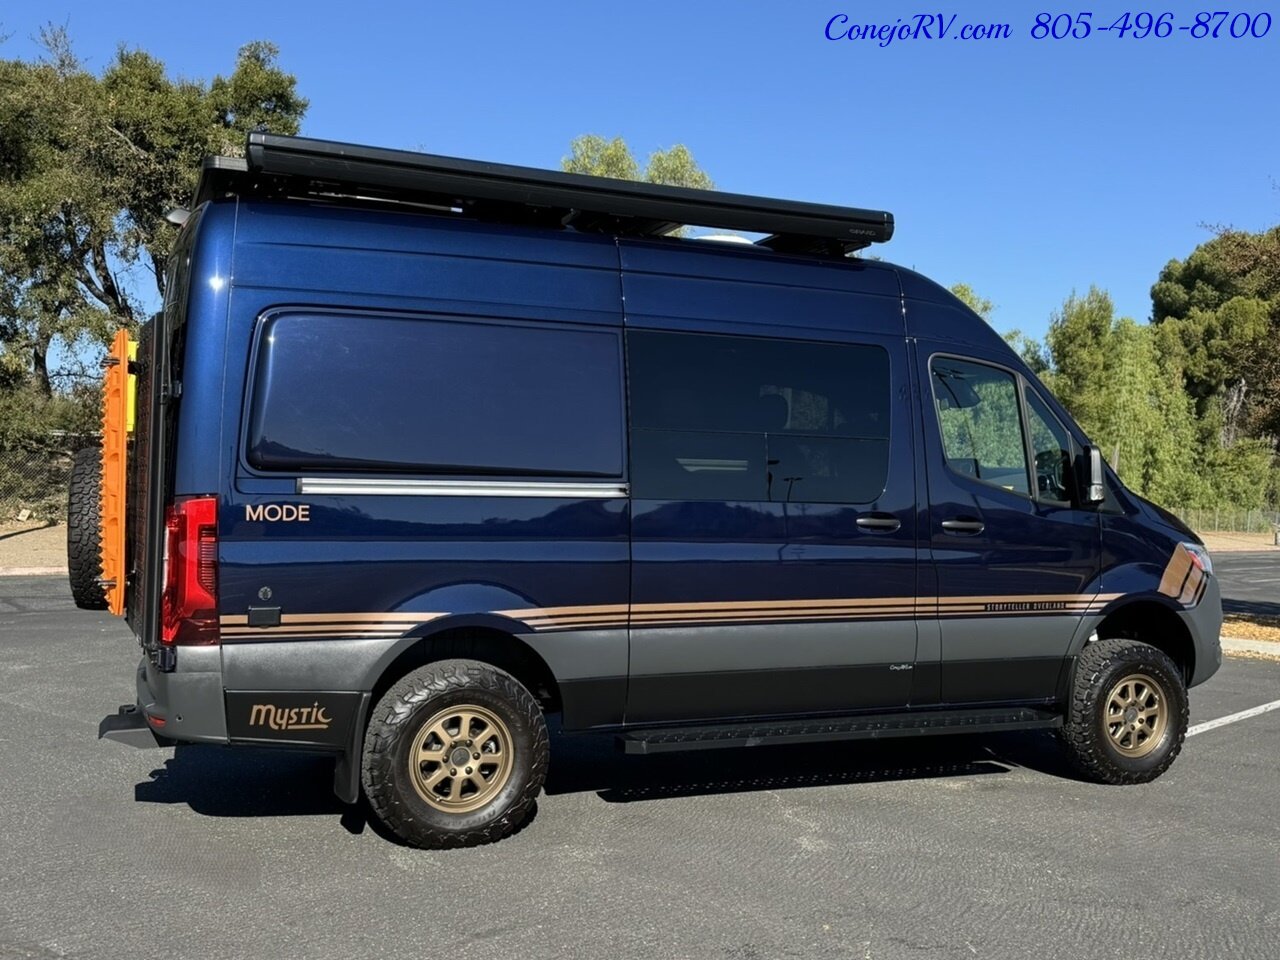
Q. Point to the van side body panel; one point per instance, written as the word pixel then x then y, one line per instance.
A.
pixel 1123 564
pixel 368 576
pixel 207 377
pixel 729 565
pixel 1029 574
pixel 608 588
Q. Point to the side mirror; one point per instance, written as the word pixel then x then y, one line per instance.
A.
pixel 1094 490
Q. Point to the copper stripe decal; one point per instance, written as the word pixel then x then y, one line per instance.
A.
pixel 320 628
pixel 1175 573
pixel 762 616
pixel 1192 587
pixel 642 614
pixel 1183 578
pixel 243 619
pixel 712 607
pixel 268 633
pixel 695 618
pixel 393 624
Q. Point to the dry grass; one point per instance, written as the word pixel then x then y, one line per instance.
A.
pixel 32 544
pixel 1228 542
pixel 1248 626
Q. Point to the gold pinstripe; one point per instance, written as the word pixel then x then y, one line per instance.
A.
pixel 1181 580
pixel 706 613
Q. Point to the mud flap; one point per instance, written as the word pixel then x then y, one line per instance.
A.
pixel 346 771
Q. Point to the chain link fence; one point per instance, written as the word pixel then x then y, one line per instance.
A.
pixel 1229 519
pixel 34 475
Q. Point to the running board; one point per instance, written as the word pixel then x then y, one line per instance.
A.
pixel 883 726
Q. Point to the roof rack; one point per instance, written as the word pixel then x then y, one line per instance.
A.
pixel 280 166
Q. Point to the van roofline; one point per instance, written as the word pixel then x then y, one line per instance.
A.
pixel 283 167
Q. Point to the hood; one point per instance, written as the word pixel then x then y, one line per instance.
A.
pixel 1169 519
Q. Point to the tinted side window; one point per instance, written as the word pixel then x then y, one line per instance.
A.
pixel 341 392
pixel 743 418
pixel 981 427
pixel 1050 450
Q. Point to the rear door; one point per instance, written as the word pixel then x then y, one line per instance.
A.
pixel 1016 559
pixel 773 531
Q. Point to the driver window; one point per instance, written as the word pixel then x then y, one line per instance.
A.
pixel 981 427
pixel 1051 447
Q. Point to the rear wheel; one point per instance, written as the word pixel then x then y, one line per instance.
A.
pixel 1128 713
pixel 455 755
pixel 84 530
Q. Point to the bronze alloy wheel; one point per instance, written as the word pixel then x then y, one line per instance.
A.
pixel 461 758
pixel 1136 715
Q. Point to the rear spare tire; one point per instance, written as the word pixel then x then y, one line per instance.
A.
pixel 84 530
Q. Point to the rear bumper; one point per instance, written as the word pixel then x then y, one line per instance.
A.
pixel 187 703
pixel 1204 623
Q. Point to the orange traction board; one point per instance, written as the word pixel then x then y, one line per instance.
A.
pixel 117 410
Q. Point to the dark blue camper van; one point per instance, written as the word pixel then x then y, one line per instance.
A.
pixel 427 449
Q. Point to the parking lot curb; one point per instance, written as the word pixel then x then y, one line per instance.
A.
pixel 31 571
pixel 1239 646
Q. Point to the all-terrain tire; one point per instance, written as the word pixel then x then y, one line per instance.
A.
pixel 395 731
pixel 1086 732
pixel 84 534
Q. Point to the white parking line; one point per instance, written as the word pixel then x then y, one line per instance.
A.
pixel 1232 718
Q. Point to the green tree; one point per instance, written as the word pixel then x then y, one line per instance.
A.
pixel 677 168
pixel 1031 350
pixel 1122 381
pixel 1223 304
pixel 89 167
pixel 970 298
pixel 598 157
pixel 1077 340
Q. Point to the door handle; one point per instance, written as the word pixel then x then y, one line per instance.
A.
pixel 964 526
pixel 879 522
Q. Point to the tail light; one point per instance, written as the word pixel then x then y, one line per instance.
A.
pixel 190 602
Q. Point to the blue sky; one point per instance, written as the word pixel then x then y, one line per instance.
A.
pixel 1025 168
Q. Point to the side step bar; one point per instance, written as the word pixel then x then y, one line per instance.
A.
pixel 810 730
pixel 128 725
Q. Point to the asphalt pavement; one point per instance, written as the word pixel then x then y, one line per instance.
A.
pixel 1250 583
pixel 957 847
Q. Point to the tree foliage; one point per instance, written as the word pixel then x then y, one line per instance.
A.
pixel 598 157
pixel 971 299
pixel 90 164
pixel 1223 305
pixel 1127 385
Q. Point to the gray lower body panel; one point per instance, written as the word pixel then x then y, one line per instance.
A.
pixel 705 672
pixel 589 665
pixel 1204 622
pixel 187 700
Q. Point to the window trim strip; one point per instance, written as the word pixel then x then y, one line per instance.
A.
pixel 387 487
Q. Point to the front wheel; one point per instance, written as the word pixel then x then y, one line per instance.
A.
pixel 1128 713
pixel 454 755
